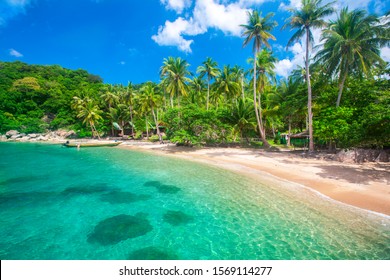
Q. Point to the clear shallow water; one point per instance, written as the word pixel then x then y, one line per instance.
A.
pixel 108 203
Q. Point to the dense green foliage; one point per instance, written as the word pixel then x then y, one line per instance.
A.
pixel 222 104
pixel 34 98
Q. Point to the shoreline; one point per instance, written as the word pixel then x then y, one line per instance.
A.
pixel 362 186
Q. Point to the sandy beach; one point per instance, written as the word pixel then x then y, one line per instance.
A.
pixel 366 186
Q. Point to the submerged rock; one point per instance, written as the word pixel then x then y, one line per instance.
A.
pixel 118 228
pixel 152 253
pixel 162 188
pixel 177 218
pixel 118 197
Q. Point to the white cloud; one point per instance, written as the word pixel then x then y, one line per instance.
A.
pixel 19 3
pixel 385 54
pixel 171 35
pixel 285 66
pixel 177 5
pixel 122 62
pixel 15 53
pixel 220 15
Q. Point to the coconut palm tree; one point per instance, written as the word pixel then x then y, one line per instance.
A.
pixel 209 69
pixel 149 101
pixel 226 85
pixel 352 43
pixel 175 71
pixel 258 29
pixel 88 111
pixel 265 72
pixel 309 16
pixel 239 77
pixel 242 117
pixel 197 86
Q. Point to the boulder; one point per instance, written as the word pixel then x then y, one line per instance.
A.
pixel 42 138
pixel 11 133
pixel 382 157
pixel 24 139
pixel 16 136
pixel 71 134
pixel 32 135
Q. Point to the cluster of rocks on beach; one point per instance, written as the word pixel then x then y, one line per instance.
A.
pixel 52 136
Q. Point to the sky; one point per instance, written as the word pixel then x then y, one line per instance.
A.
pixel 127 40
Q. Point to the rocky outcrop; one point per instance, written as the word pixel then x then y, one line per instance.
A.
pixel 59 135
pixel 362 155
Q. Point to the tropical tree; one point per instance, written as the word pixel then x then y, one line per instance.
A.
pixel 197 86
pixel 265 74
pixel 239 77
pixel 128 96
pixel 209 69
pixel 109 97
pixel 88 111
pixel 258 29
pixel 352 45
pixel 174 72
pixel 149 101
pixel 309 16
pixel 226 85
pixel 242 117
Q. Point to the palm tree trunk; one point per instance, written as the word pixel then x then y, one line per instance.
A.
pixel 242 87
pixel 171 98
pixel 289 132
pixel 131 120
pixel 147 128
pixel 309 95
pixel 265 142
pixel 157 128
pixel 208 93
pixel 341 87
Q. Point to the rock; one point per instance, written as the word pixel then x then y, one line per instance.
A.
pixel 32 135
pixel 3 138
pixel 382 157
pixel 70 134
pixel 42 138
pixel 16 136
pixel 11 133
pixel 24 139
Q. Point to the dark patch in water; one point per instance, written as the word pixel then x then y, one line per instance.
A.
pixel 21 180
pixel 26 198
pixel 162 188
pixel 177 218
pixel 118 228
pixel 152 253
pixel 87 189
pixel 117 197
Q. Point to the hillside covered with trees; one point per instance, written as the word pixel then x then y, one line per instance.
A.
pixel 341 96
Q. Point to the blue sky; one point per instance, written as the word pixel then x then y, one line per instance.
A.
pixel 126 40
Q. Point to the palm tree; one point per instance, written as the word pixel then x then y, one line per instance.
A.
pixel 239 76
pixel 88 111
pixel 149 101
pixel 226 85
pixel 309 16
pixel 197 86
pixel 209 69
pixel 242 117
pixel 110 98
pixel 175 71
pixel 258 29
pixel 352 44
pixel 128 99
pixel 265 72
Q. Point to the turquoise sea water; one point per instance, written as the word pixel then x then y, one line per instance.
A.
pixel 109 203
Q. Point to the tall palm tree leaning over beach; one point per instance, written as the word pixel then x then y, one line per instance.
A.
pixel 309 16
pixel 209 69
pixel 352 44
pixel 258 29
